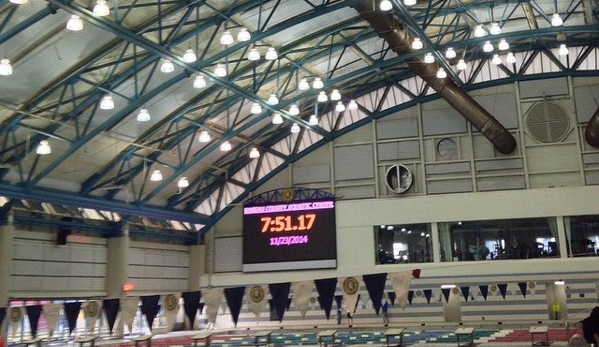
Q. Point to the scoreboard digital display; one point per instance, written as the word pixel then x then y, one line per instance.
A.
pixel 289 236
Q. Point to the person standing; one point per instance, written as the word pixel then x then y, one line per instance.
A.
pixel 385 310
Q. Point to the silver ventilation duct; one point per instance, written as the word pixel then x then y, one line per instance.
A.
pixel 591 133
pixel 398 39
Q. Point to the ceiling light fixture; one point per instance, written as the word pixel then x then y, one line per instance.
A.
pixel 480 31
pixel 273 99
pixel 441 73
pixel 5 67
pixel 503 45
pixel 450 53
pixel 183 182
pixel 488 47
pixel 417 43
pixel 271 54
pixel 156 176
pixel 295 128
pixel 243 35
pixel 409 2
pixel 75 23
pixel 256 108
pixel 386 5
pixel 353 105
pixel 225 146
pixel 204 137
pixel 317 83
pixel 313 120
pixel 496 60
pixel 253 55
pixel 340 107
pixel 303 84
pixel 335 95
pixel 199 82
pixel 101 8
pixel 428 58
pixel 254 153
pixel 510 58
pixel 220 70
pixel 226 38
pixel 277 118
pixel 462 65
pixel 495 29
pixel 43 148
pixel 143 115
pixel 294 110
pixel 19 2
pixel 322 97
pixel 189 56
pixel 563 50
pixel 107 103
pixel 167 66
pixel 556 20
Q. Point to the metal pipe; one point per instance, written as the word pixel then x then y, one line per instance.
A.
pixel 395 34
pixel 591 133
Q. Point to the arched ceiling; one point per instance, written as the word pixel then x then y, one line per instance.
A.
pixel 102 160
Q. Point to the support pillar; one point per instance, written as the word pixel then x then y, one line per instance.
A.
pixel 197 266
pixel 7 233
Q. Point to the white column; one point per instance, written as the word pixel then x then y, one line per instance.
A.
pixel 6 252
pixel 116 266
pixel 197 266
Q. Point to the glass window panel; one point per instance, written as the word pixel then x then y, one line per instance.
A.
pixel 523 238
pixel 582 235
pixel 403 243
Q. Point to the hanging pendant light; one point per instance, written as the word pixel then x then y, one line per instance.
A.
pixel 254 153
pixel 5 67
pixel 313 120
pixel 183 182
pixel 243 35
pixel 556 20
pixel 225 146
pixel 256 108
pixel 253 55
pixel 429 58
pixel 271 54
pixel 480 31
pixel 417 43
pixel 450 53
pixel 204 137
pixel 441 73
pixel 503 45
pixel 273 99
pixel 156 176
pixel 488 47
pixel 190 56
pixel 143 115
pixel 353 105
pixel 461 65
pixel 277 118
pixel 199 82
pixel 75 23
pixel 322 97
pixel 167 66
pixel 317 83
pixel 340 107
pixel 295 128
pixel 563 50
pixel 335 95
pixel 496 60
pixel 226 38
pixel 101 8
pixel 386 5
pixel 19 2
pixel 409 2
pixel 43 148
pixel 510 58
pixel 495 29
pixel 303 84
pixel 107 103
pixel 220 70
pixel 294 110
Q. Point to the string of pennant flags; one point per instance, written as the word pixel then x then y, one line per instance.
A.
pixel 281 294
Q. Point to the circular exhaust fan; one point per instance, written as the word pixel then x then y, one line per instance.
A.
pixel 547 122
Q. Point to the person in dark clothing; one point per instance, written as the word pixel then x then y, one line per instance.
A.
pixel 590 327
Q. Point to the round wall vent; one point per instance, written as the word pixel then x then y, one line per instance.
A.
pixel 547 122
